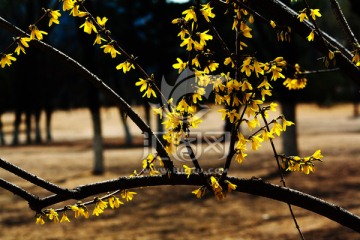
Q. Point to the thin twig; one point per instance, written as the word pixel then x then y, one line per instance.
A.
pixel 281 174
pixel 31 177
pixel 344 24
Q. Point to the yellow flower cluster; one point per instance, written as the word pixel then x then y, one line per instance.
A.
pixel 219 192
pixel 146 85
pixel 81 210
pixel 303 165
pixel 297 82
pixel 149 164
pixel 356 57
pixel 178 122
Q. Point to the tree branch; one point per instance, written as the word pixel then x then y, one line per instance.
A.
pixel 250 186
pixel 31 177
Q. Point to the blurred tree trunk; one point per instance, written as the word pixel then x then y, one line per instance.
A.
pixel 97 137
pixel 288 101
pixel 93 97
pixel 289 137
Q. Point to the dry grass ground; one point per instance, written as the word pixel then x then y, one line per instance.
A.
pixel 173 212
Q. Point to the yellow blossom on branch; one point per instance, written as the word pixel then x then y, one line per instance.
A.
pixel 80 210
pixel 247 67
pixel 149 92
pixel 200 192
pixel 40 219
pixel 6 60
pixel 100 205
pixel 126 194
pixel 187 170
pixel 231 186
pixel 256 142
pixel 273 24
pixel 228 60
pixel 68 4
pixel 109 48
pixel 218 191
pixel 114 202
pixel 303 16
pixel 276 72
pixel 286 123
pixel 54 16
pixel 125 66
pixel 245 30
pixel 101 21
pixel 277 129
pixel 183 33
pixel 295 83
pixel 188 42
pixel 311 36
pixel 190 14
pixel 75 12
pixel 211 67
pixel 88 26
pixel 64 218
pixel 315 13
pixel 22 43
pixel 36 33
pixel 53 215
pixel 180 65
pixel 356 57
pixel 98 39
pixel 206 11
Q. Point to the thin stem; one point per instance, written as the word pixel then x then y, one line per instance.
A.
pixel 319 32
pixel 342 21
pixel 127 55
pixel 281 174
pixel 18 191
pixel 31 177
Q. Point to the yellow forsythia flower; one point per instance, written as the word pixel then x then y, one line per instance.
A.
pixel 53 215
pixel 114 202
pixel 180 65
pixel 188 170
pixel 88 26
pixel 36 33
pixel 206 11
pixel 68 4
pixel 189 14
pixel 6 60
pixel 101 21
pixel 273 24
pixel 311 36
pixel 64 218
pixel 303 16
pixel 76 12
pixel 126 194
pixel 125 66
pixel 40 219
pixel 109 48
pixel 315 13
pixel 54 17
pixel 200 192
pixel 22 44
pixel 231 186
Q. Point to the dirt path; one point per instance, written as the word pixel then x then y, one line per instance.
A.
pixel 174 213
